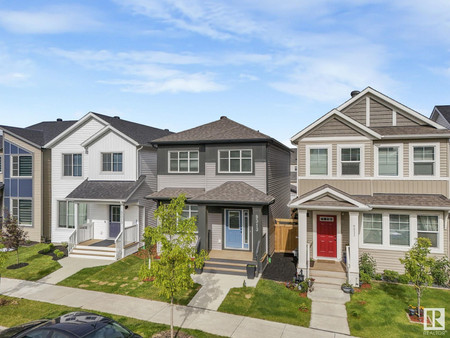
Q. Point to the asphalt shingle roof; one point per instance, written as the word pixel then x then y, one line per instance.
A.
pixel 445 111
pixel 51 129
pixel 169 193
pixel 105 190
pixel 410 130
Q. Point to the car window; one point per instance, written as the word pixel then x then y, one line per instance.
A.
pixel 111 330
pixel 47 333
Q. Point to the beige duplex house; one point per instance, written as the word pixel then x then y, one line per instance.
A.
pixel 373 175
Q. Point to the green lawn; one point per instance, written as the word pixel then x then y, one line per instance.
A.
pixel 39 265
pixel 269 300
pixel 381 311
pixel 122 278
pixel 18 311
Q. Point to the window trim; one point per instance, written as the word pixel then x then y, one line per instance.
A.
pixel 409 230
pixel 437 164
pixel 438 232
pixel 339 160
pixel 111 172
pixel 399 147
pixel 329 159
pixel 18 199
pixel 189 171
pixel 18 163
pixel 240 161
pixel 362 227
pixel 72 165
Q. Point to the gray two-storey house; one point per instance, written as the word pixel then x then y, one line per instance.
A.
pixel 236 181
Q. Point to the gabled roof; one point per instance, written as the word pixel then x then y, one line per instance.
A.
pixel 445 111
pixel 223 130
pixel 405 131
pixel 1 143
pixel 106 190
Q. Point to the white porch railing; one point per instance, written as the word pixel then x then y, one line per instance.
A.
pixel 119 246
pixel 85 232
pixel 72 241
pixel 131 234
pixel 308 259
pixel 347 261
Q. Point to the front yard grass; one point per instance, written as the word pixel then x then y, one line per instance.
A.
pixel 269 300
pixel 381 311
pixel 16 311
pixel 122 277
pixel 38 265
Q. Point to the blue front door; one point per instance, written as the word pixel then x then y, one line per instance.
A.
pixel 114 221
pixel 233 229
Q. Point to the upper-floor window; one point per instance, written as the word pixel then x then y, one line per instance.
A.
pixel 22 165
pixel 183 161
pixel 427 226
pixel 22 209
pixel 318 161
pixel 424 160
pixel 388 161
pixel 235 161
pixel 73 165
pixel 112 162
pixel 351 161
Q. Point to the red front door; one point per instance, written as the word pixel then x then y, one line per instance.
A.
pixel 326 236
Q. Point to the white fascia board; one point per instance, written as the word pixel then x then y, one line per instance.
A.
pixel 392 102
pixel 408 207
pixel 100 201
pixel 332 193
pixel 409 136
pixel 102 132
pixel 311 207
pixel 342 116
pixel 69 130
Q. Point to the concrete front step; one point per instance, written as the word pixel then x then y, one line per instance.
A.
pixel 329 280
pixel 80 255
pixel 94 252
pixel 225 271
pixel 329 295
pixel 324 273
pixel 230 261
pixel 95 248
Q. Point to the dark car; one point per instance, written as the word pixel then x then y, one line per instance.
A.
pixel 74 324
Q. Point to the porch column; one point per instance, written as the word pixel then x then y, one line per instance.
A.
pixel 202 227
pixel 122 224
pixel 353 273
pixel 256 229
pixel 302 264
pixel 75 215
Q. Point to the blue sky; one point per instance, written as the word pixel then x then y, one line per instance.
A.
pixel 275 66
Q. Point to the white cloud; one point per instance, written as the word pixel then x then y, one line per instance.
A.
pixel 14 71
pixel 52 20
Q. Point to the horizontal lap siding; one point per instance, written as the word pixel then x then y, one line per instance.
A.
pixel 332 127
pixel 357 111
pixel 444 158
pixel 181 181
pixel 215 224
pixel 356 187
pixel 301 159
pixel 380 115
pixel 402 120
pixel 345 225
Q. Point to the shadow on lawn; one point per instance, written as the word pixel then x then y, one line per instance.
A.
pixel 396 291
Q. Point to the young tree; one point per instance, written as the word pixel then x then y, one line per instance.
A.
pixel 418 267
pixel 13 236
pixel 178 254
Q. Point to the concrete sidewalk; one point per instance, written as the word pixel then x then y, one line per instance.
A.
pixel 158 312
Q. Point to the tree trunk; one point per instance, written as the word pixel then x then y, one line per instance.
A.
pixel 17 255
pixel 418 302
pixel 171 317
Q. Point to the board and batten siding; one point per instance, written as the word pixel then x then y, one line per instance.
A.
pixel 112 143
pixel 215 225
pixel 213 180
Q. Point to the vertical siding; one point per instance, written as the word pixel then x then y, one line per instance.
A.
pixel 357 111
pixel 148 167
pixel 215 223
pixel 213 180
pixel 380 115
pixel 47 193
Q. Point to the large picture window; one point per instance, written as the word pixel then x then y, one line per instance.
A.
pixel 22 165
pixel 373 229
pixel 424 160
pixel 112 162
pixel 235 161
pixel 318 161
pixel 350 161
pixel 388 161
pixel 399 229
pixel 22 210
pixel 428 227
pixel 183 161
pixel 66 214
pixel 73 165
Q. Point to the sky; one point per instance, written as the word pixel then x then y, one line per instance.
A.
pixel 275 66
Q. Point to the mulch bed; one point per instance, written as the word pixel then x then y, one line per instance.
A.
pixel 16 266
pixel 416 320
pixel 282 268
pixel 51 254
pixel 166 334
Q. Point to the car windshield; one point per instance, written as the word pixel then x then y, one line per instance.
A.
pixel 111 330
pixel 47 333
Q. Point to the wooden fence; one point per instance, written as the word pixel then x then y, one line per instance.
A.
pixel 286 233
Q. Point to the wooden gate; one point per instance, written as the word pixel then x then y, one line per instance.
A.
pixel 286 233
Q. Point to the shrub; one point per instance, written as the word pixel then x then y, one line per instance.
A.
pixel 59 254
pixel 144 272
pixel 390 275
pixel 51 246
pixel 303 286
pixel 404 279
pixel 367 264
pixel 65 244
pixel 440 271
pixel 364 277
pixel 46 249
pixel 378 276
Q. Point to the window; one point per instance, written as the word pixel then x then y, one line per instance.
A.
pixel 424 160
pixel 350 161
pixel 190 211
pixel 22 165
pixel 234 220
pixel 427 226
pixel 373 228
pixel 73 165
pixel 235 161
pixel 66 211
pixel 318 161
pixel 399 229
pixel 183 161
pixel 112 162
pixel 388 161
pixel 22 211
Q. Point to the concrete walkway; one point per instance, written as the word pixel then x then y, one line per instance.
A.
pixel 215 288
pixel 184 316
pixel 70 266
